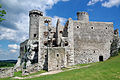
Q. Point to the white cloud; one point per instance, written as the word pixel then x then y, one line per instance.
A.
pixel 13 51
pixel 7 33
pixel 92 2
pixel 31 4
pixel 55 18
pixel 16 25
pixel 108 4
pixel 11 34
pixel 111 3
pixel 13 46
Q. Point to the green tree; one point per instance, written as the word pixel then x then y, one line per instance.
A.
pixel 2 13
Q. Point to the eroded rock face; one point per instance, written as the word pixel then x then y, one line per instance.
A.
pixel 115 46
pixel 32 69
pixel 18 66
pixel 31 51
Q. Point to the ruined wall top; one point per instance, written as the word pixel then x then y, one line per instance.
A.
pixel 36 12
pixel 83 16
pixel 82 13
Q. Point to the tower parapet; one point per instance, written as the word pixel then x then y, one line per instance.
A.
pixel 83 16
pixel 37 12
pixel 34 23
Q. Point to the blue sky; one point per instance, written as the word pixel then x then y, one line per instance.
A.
pixel 15 28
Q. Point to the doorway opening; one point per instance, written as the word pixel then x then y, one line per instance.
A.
pixel 100 58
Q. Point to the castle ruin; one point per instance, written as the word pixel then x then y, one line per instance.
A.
pixel 52 48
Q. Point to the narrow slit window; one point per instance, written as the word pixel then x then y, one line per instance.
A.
pixel 35 35
pixel 57 55
pixel 92 28
pixel 77 26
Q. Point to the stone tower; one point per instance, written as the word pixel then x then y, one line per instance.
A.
pixel 34 23
pixel 83 16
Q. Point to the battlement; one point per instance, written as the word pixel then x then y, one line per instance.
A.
pixel 83 16
pixel 35 12
pixel 82 13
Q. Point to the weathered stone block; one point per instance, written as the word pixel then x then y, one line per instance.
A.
pixel 6 72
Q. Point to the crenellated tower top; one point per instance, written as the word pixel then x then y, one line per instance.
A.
pixel 83 16
pixel 37 12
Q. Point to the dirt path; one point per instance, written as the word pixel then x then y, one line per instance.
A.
pixel 49 73
pixel 38 75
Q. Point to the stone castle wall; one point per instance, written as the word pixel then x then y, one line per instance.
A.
pixel 92 40
pixel 43 59
pixel 79 41
pixel 56 58
pixel 70 48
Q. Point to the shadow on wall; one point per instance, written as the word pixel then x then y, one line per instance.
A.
pixel 45 65
pixel 115 47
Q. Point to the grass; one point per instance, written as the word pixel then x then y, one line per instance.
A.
pixel 19 73
pixel 107 70
pixel 75 66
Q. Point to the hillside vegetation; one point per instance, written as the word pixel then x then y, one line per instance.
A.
pixel 7 63
pixel 107 70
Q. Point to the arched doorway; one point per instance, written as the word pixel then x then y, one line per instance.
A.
pixel 100 58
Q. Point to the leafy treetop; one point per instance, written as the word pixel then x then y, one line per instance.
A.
pixel 2 13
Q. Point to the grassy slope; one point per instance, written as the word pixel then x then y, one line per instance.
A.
pixel 107 70
pixel 19 73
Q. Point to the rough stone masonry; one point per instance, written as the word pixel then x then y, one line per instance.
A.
pixel 52 48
